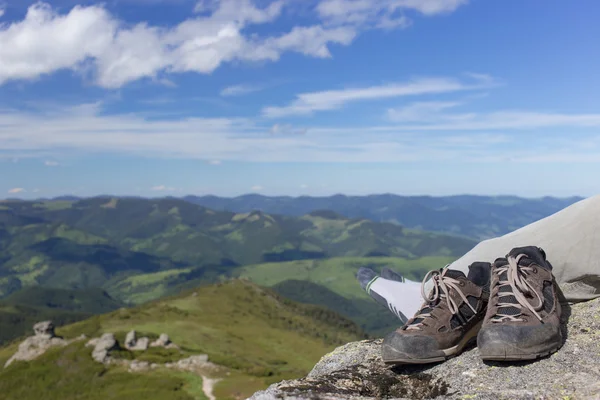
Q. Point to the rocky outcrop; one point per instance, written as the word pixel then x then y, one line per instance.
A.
pixel 44 329
pixel 130 339
pixel 190 364
pixel 164 341
pixel 103 346
pixel 134 344
pixel 355 371
pixel 34 346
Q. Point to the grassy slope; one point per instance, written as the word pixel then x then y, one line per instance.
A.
pixel 338 277
pixel 71 373
pixel 259 335
pixel 338 274
pixel 20 311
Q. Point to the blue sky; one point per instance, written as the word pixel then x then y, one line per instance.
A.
pixel 299 97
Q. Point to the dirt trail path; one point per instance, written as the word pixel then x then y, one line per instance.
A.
pixel 208 385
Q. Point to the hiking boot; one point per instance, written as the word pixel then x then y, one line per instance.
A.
pixel 448 321
pixel 523 317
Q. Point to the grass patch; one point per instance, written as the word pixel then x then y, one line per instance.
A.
pixel 70 373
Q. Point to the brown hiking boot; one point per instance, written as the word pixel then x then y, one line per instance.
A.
pixel 448 321
pixel 523 317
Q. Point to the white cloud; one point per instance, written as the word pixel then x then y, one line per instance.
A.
pixel 1 12
pixel 430 116
pixel 51 163
pixel 469 136
pixel 90 41
pixel 385 14
pixel 287 129
pixel 304 186
pixel 215 162
pixel 16 190
pixel 307 103
pixel 239 90
pixel 419 111
pixel 256 188
pixel 162 188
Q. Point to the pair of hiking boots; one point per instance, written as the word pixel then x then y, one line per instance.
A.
pixel 510 308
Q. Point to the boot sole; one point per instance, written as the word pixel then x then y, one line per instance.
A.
pixel 520 357
pixel 470 337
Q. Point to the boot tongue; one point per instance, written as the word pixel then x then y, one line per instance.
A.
pixel 532 254
pixel 455 274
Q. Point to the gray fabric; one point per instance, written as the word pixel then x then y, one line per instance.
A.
pixel 571 240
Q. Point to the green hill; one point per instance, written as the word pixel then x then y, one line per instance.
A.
pixel 259 336
pixel 141 249
pixel 332 283
pixel 21 310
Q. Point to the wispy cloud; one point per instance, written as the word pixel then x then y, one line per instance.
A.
pixel 256 188
pixel 386 14
pixel 215 162
pixel 443 135
pixel 162 188
pixel 16 190
pixel 240 90
pixel 419 111
pixel 51 163
pixel 287 129
pixel 308 103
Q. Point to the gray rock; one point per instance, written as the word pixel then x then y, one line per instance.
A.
pixel 45 329
pixel 140 345
pixel 138 366
pixel 104 345
pixel 190 363
pixel 355 371
pixel 162 341
pixel 34 346
pixel 130 340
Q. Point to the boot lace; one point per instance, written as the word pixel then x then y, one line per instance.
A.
pixel 518 289
pixel 442 286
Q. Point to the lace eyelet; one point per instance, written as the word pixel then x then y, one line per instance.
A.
pixel 535 271
pixel 461 283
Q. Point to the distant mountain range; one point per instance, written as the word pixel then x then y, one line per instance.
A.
pixel 478 217
pixel 138 249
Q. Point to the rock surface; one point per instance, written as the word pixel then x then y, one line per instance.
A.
pixel 162 341
pixel 45 328
pixel 355 371
pixel 103 346
pixel 34 346
pixel 141 344
pixel 130 339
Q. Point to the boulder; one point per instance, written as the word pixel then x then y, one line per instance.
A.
pixel 162 341
pixel 141 344
pixel 104 345
pixel 34 346
pixel 44 329
pixel 355 371
pixel 130 339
